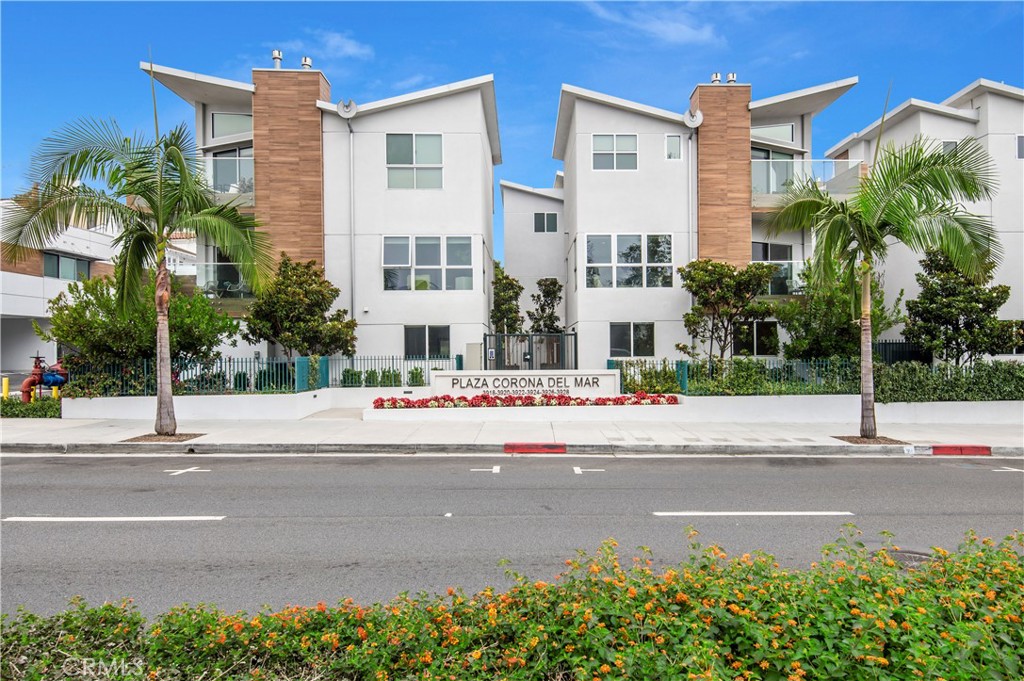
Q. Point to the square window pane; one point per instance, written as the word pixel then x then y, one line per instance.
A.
pixel 625 161
pixel 604 143
pixel 643 340
pixel 659 277
pixel 604 161
pixel 780 252
pixel 68 270
pixel 619 340
pixel 428 149
pixel 948 147
pixel 659 248
pixel 599 277
pixel 428 251
pixel 415 341
pixel 396 279
pixel 538 222
pixel 83 270
pixel 758 251
pixel 396 250
pixel 599 249
pixel 673 147
pixel 460 250
pixel 458 279
pixel 427 280
pixel 439 341
pixel 743 339
pixel 552 222
pixel 50 265
pixel 400 178
pixel 428 178
pixel 628 248
pixel 625 143
pixel 629 277
pixel 399 149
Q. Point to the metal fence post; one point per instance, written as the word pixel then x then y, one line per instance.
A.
pixel 325 372
pixel 301 374
pixel 683 376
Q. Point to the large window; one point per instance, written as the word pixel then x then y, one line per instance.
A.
pixel 422 342
pixel 614 152
pixel 631 339
pixel 545 222
pixel 629 261
pixel 428 263
pixel 414 161
pixel 782 132
pixel 233 171
pixel 225 124
pixel 772 172
pixel 761 251
pixel 756 338
pixel 59 266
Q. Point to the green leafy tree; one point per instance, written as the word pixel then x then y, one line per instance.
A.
pixel 724 298
pixel 544 317
pixel 823 321
pixel 505 314
pixel 954 316
pixel 87 320
pixel 153 189
pixel 913 196
pixel 293 310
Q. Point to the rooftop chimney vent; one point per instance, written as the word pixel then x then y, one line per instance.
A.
pixel 716 78
pixel 307 63
pixel 730 77
pixel 277 56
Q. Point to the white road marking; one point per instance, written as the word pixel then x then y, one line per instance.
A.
pixel 496 469
pixel 580 471
pixel 1007 469
pixel 447 515
pixel 194 469
pixel 747 513
pixel 110 519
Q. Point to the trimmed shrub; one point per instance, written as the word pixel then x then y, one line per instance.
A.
pixel 416 377
pixel 45 408
pixel 351 378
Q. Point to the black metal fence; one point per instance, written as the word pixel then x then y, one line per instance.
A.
pixel 525 351
pixel 893 351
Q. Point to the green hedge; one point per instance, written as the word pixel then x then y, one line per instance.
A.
pixel 916 382
pixel 854 616
pixel 14 408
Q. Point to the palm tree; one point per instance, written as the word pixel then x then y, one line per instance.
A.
pixel 153 189
pixel 913 196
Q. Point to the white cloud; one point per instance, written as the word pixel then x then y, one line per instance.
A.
pixel 328 46
pixel 672 24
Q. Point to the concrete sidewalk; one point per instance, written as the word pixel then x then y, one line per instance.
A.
pixel 344 431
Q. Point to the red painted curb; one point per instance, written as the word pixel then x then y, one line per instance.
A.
pixel 535 448
pixel 961 450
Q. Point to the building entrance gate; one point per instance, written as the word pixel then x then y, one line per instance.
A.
pixel 526 351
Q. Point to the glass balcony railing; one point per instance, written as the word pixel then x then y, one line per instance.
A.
pixel 777 176
pixel 786 280
pixel 231 179
pixel 221 280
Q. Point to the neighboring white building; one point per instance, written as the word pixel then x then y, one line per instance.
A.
pixel 394 198
pixel 992 113
pixel 646 191
pixel 27 287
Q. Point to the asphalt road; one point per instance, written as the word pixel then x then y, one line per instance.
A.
pixel 301 530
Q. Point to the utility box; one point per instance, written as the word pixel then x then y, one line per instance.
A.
pixel 474 357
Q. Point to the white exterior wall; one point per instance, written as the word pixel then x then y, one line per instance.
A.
pixel 531 255
pixel 461 208
pixel 654 199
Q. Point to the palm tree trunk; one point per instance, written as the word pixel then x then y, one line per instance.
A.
pixel 165 421
pixel 867 373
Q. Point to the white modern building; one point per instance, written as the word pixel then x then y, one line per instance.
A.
pixel 394 198
pixel 27 287
pixel 646 190
pixel 992 113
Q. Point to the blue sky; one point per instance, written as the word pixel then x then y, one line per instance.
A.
pixel 61 61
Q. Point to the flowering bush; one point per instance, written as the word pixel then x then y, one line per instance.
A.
pixel 854 616
pixel 447 401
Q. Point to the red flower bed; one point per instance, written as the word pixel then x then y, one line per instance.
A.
pixel 448 401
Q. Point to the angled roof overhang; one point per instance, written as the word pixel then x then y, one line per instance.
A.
pixel 810 101
pixel 901 113
pixel 980 86
pixel 551 193
pixel 485 84
pixel 197 88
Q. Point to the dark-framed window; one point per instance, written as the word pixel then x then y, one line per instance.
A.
pixel 545 222
pixel 631 339
pixel 427 342
pixel 756 339
pixel 58 266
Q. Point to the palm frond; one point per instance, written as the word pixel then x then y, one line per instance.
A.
pixel 89 150
pixel 236 235
pixel 138 253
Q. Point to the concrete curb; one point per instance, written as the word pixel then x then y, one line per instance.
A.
pixel 186 448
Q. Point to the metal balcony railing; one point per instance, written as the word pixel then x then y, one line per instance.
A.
pixel 232 179
pixel 777 176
